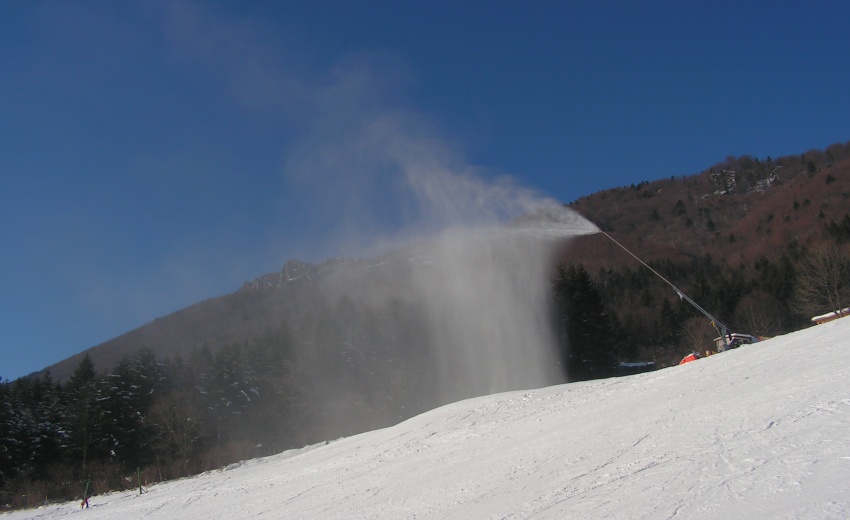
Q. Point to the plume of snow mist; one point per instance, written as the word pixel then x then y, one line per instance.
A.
pixel 480 245
pixel 484 276
pixel 486 290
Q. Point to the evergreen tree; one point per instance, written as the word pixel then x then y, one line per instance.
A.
pixel 84 415
pixel 276 409
pixel 48 412
pixel 126 396
pixel 586 329
pixel 31 433
pixel 10 437
pixel 229 388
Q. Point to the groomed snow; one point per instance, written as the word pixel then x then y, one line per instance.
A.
pixel 758 432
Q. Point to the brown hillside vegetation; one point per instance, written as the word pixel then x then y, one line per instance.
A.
pixel 736 211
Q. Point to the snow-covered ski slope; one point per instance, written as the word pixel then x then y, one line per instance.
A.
pixel 759 432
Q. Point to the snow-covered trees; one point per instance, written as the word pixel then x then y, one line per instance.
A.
pixel 166 416
pixel 126 396
pixel 84 415
pixel 33 433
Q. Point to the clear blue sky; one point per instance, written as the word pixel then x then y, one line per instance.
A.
pixel 153 154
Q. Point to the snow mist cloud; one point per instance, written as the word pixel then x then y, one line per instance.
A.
pixel 372 175
pixel 480 246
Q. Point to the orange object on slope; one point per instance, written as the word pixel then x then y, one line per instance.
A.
pixel 690 357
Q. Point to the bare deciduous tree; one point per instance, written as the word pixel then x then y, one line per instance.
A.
pixel 762 314
pixel 823 280
pixel 697 334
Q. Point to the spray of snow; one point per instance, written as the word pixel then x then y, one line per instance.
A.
pixel 487 296
pixel 481 244
pixel 371 173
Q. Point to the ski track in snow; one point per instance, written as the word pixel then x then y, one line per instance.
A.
pixel 759 432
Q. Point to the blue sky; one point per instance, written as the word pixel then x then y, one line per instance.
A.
pixel 153 154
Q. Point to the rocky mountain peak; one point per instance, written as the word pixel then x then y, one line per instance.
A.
pixel 293 271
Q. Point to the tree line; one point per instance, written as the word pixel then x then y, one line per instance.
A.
pixel 626 314
pixel 169 418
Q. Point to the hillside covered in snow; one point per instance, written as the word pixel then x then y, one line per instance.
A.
pixel 758 432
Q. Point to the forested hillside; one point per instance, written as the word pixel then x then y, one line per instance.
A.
pixel 316 352
pixel 341 373
pixel 741 238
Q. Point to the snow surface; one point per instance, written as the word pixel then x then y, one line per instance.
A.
pixel 762 431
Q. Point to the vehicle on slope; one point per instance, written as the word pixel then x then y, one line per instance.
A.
pixel 734 340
